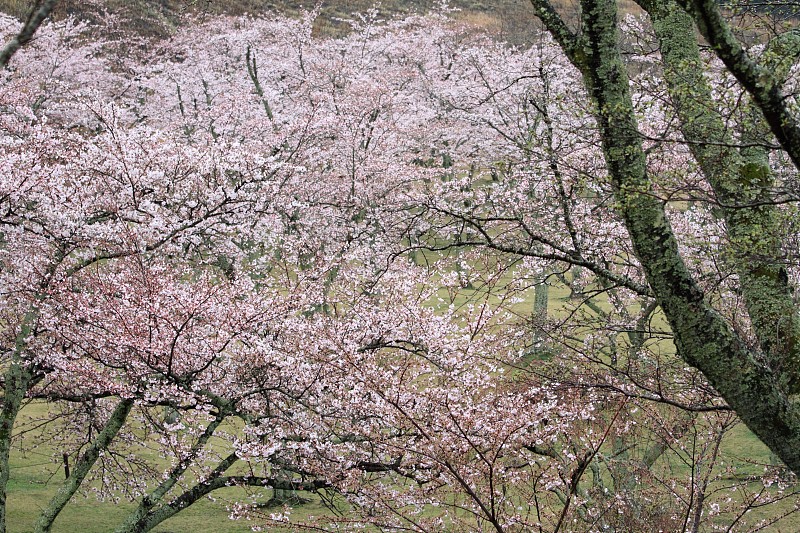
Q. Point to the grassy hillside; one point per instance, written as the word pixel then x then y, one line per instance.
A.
pixel 511 19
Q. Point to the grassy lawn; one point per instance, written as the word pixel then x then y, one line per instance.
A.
pixel 32 486
pixel 37 474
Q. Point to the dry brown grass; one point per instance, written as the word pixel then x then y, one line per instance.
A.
pixel 487 21
pixel 17 8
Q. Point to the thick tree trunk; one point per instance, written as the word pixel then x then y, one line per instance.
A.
pixel 742 181
pixel 18 379
pixel 702 337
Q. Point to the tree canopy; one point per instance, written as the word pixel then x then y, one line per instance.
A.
pixel 439 281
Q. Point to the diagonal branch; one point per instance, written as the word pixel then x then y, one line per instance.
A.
pixel 39 12
pixel 760 81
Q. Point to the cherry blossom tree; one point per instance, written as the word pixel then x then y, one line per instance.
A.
pixel 297 263
pixel 500 217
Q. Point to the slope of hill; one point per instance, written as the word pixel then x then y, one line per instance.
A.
pixel 511 19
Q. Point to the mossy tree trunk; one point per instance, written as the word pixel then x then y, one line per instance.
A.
pixel 742 182
pixel 18 377
pixel 702 336
pixel 760 78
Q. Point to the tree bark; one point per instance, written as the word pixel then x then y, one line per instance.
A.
pixel 17 379
pixel 40 11
pixel 702 337
pixel 759 80
pixel 83 465
pixel 742 181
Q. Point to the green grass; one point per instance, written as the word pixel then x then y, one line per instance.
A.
pixel 37 474
pixel 31 488
pixel 85 514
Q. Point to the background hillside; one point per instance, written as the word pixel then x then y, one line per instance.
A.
pixel 511 19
